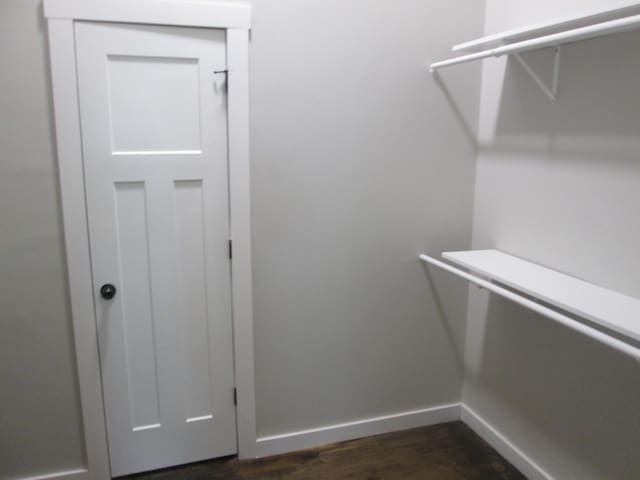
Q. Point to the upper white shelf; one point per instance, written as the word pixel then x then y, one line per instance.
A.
pixel 548 28
pixel 614 311
pixel 549 34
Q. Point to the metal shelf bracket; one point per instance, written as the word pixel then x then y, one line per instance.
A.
pixel 552 91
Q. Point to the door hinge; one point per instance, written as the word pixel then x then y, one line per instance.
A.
pixel 230 249
pixel 235 396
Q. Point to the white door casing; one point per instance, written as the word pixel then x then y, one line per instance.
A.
pixel 153 117
pixel 235 19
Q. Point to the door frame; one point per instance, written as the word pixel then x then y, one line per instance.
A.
pixel 236 20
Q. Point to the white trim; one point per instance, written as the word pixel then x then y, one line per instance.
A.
pixel 80 474
pixel 189 13
pixel 289 442
pixel 240 204
pixel 503 445
pixel 236 19
pixel 70 169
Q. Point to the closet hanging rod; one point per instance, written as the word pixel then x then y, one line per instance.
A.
pixel 569 322
pixel 540 29
pixel 554 40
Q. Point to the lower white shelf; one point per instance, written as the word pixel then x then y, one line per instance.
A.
pixel 614 318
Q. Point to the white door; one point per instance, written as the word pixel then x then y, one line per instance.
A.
pixel 153 115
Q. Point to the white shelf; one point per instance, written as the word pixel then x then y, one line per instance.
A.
pixel 611 310
pixel 547 35
pixel 548 28
pixel 563 37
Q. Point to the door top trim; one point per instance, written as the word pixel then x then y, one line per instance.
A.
pixel 192 13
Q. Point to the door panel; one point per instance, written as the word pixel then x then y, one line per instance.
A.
pixel 154 138
pixel 140 123
pixel 139 350
pixel 193 302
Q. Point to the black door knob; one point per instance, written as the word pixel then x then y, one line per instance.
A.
pixel 107 291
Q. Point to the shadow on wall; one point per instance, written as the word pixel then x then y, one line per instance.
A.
pixel 556 185
pixel 587 411
pixel 598 108
pixel 469 127
pixel 451 333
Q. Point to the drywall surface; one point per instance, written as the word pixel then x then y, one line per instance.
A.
pixel 40 429
pixel 557 184
pixel 360 161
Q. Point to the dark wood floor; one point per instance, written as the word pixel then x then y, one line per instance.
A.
pixel 443 452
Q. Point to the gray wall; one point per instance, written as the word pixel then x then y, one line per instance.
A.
pixel 40 429
pixel 559 185
pixel 360 162
pixel 358 165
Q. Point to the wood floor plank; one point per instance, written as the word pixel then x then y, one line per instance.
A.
pixel 449 451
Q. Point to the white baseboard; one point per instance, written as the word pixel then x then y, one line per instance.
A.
pixel 503 445
pixel 80 474
pixel 290 442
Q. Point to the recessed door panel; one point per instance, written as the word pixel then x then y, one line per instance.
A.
pixel 137 311
pixel 193 302
pixel 154 104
